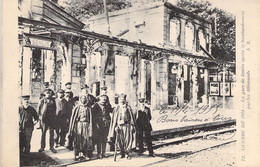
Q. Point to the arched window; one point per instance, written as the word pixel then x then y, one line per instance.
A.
pixel 189 36
pixel 175 32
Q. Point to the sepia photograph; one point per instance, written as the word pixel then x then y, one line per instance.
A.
pixel 127 83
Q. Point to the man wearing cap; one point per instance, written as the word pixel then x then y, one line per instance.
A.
pixel 68 87
pixel 27 114
pixel 42 95
pixel 123 127
pixel 46 86
pixel 144 126
pixel 70 105
pixel 101 121
pixel 91 100
pixel 62 116
pixel 47 114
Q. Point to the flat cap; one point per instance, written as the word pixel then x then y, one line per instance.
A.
pixel 68 83
pixel 84 86
pixel 60 91
pixel 25 96
pixel 47 91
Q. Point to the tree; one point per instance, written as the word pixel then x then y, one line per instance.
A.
pixel 224 27
pixel 83 9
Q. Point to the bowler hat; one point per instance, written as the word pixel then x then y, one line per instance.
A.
pixel 103 88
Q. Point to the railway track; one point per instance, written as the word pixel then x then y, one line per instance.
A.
pixel 173 141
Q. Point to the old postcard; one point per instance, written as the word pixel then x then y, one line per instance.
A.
pixel 130 83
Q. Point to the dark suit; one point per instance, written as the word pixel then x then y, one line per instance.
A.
pixel 144 126
pixel 47 113
pixel 62 121
pixel 26 127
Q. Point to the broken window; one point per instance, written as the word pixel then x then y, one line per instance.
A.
pixel 175 32
pixel 189 36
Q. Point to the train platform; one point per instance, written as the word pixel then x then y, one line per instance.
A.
pixel 164 121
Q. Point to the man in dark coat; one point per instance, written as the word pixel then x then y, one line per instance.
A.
pixel 144 127
pixel 91 100
pixel 42 95
pixel 103 92
pixel 68 87
pixel 101 122
pixel 47 114
pixel 71 103
pixel 27 114
pixel 62 120
pixel 45 87
pixel 123 127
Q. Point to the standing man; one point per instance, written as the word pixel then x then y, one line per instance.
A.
pixel 62 120
pixel 101 121
pixel 42 95
pixel 26 114
pixel 47 113
pixel 68 87
pixel 123 127
pixel 70 105
pixel 103 92
pixel 144 127
pixel 91 100
pixel 46 86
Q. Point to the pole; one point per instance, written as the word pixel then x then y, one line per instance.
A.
pixel 115 148
pixel 106 16
pixel 224 97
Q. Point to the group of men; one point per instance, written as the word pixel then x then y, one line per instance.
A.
pixel 89 121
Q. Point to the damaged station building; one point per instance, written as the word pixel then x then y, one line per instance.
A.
pixel 152 49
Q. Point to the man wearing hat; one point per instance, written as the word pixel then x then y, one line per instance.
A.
pixel 46 86
pixel 103 92
pixel 123 127
pixel 101 121
pixel 68 87
pixel 47 114
pixel 144 126
pixel 27 114
pixel 42 95
pixel 91 100
pixel 70 105
pixel 62 116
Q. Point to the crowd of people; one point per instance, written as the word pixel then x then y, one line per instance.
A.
pixel 88 122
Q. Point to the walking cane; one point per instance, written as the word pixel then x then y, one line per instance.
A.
pixel 115 148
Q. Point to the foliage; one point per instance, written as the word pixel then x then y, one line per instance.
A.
pixel 83 9
pixel 224 26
